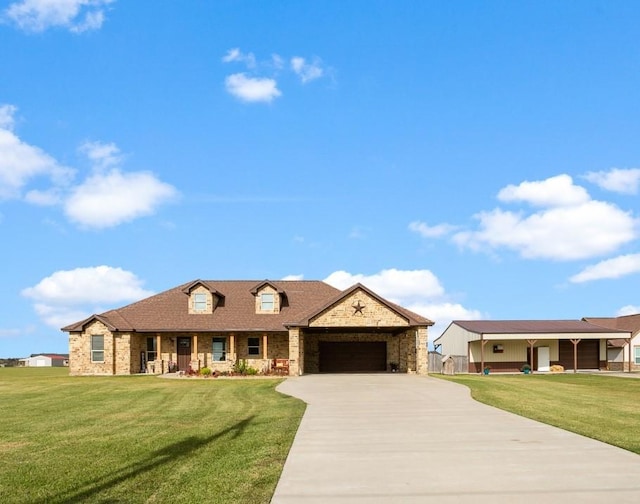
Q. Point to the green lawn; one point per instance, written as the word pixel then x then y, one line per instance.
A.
pixel 600 407
pixel 141 438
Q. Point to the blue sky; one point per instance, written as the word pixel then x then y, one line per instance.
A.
pixel 465 159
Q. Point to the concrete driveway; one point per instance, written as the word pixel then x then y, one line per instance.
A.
pixel 398 438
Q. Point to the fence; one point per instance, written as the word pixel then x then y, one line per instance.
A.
pixel 460 364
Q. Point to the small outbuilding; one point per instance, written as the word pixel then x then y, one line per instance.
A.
pixel 45 360
pixel 508 345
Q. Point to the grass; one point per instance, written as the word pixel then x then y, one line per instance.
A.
pixel 141 438
pixel 600 407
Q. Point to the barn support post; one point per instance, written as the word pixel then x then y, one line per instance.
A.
pixel 483 342
pixel 531 343
pixel 575 354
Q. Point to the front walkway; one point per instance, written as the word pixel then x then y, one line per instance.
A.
pixel 395 438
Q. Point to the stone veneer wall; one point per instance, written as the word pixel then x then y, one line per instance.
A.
pixel 400 349
pixel 374 314
pixel 267 289
pixel 80 351
pixel 201 289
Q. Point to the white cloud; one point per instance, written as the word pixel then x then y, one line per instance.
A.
pixel 7 120
pixel 628 310
pixel 50 197
pixel 306 71
pixel 277 61
pixel 236 55
pixel 20 162
pixel 417 290
pixel 101 155
pixel 611 268
pixel 75 15
pixel 552 192
pixel 67 296
pixel 442 314
pixel 426 231
pixel 106 200
pixel 396 285
pixel 625 181
pixel 572 227
pixel 294 277
pixel 252 89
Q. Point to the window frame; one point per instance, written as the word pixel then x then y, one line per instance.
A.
pixel 221 356
pixel 253 349
pixel 636 354
pixel 153 351
pixel 93 351
pixel 271 304
pixel 199 299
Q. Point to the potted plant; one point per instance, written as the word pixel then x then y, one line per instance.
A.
pixel 526 369
pixel 487 369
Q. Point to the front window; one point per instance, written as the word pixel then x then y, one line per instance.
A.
pixel 151 349
pixel 636 354
pixel 97 348
pixel 253 346
pixel 219 349
pixel 266 301
pixel 199 301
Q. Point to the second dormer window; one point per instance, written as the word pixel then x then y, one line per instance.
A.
pixel 199 301
pixel 266 301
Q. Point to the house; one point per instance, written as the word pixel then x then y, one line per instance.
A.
pixel 309 325
pixel 506 345
pixel 616 357
pixel 45 360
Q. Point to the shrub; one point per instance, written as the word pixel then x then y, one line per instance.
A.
pixel 205 371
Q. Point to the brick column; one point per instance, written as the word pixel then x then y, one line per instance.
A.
pixel 422 356
pixel 294 352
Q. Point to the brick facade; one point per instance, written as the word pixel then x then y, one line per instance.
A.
pixel 355 315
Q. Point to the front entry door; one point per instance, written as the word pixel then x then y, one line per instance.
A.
pixel 543 358
pixel 184 353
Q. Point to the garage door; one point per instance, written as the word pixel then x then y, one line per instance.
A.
pixel 353 356
pixel 588 354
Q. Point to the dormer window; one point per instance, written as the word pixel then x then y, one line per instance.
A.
pixel 269 298
pixel 266 302
pixel 203 298
pixel 199 301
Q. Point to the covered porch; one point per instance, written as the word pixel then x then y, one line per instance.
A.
pixel 161 353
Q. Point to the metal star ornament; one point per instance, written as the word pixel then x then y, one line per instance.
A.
pixel 358 308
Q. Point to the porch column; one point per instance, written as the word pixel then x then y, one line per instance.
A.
pixel 195 348
pixel 629 344
pixel 295 364
pixel 422 357
pixel 575 354
pixel 232 346
pixel 531 343
pixel 159 353
pixel 265 353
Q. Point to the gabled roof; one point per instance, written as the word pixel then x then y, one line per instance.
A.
pixel 168 310
pixel 530 326
pixel 411 317
pixel 189 287
pixel 624 323
pixel 630 323
pixel 260 285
